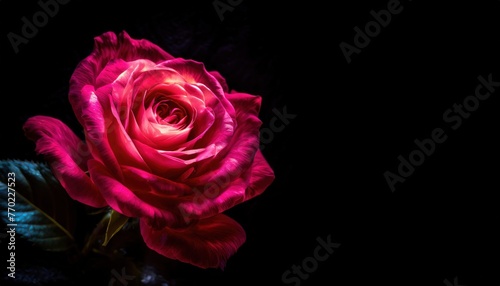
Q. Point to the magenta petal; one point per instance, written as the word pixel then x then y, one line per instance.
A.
pixel 111 72
pixel 195 73
pixel 152 184
pixel 242 148
pixel 67 156
pixel 220 195
pixel 97 130
pixel 221 80
pixel 208 243
pixel 242 174
pixel 109 47
pixel 134 203
pixel 119 197
pixel 244 102
pixel 261 176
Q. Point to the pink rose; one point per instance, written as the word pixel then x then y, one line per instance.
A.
pixel 166 142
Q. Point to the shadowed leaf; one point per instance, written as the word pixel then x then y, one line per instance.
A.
pixel 40 209
pixel 115 223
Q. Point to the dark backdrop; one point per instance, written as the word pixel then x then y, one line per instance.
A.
pixel 353 120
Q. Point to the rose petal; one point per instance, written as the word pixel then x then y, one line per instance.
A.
pixel 137 202
pixel 97 129
pixel 222 129
pixel 208 243
pixel 113 69
pixel 221 80
pixel 241 150
pixel 245 103
pixel 106 135
pixel 213 198
pixel 67 156
pixel 124 88
pixel 194 72
pixel 242 172
pixel 109 47
pixel 138 179
pixel 223 193
pixel 261 176
pixel 168 163
pixel 248 106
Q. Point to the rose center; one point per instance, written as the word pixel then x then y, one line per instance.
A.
pixel 169 112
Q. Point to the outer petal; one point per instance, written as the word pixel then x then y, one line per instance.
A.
pixel 97 130
pixel 261 174
pixel 245 103
pixel 109 47
pixel 218 196
pixel 67 156
pixel 241 150
pixel 261 177
pixel 240 175
pixel 154 185
pixel 157 209
pixel 208 243
pixel 221 80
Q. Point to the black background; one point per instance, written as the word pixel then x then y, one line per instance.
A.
pixel 352 122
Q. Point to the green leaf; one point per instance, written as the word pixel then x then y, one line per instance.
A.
pixel 36 205
pixel 115 223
